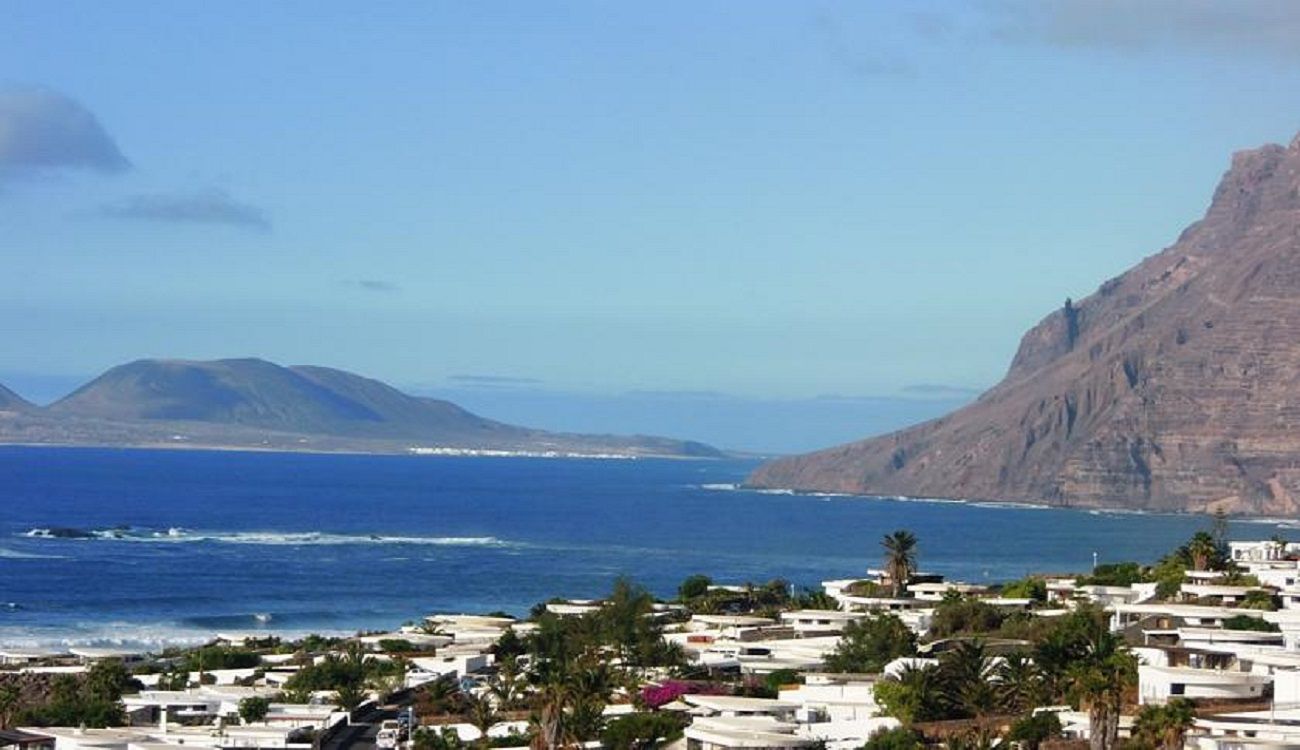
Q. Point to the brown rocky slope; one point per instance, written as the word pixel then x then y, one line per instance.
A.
pixel 1175 386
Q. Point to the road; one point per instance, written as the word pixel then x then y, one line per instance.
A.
pixel 361 734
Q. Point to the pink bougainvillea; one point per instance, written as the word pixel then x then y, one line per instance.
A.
pixel 663 693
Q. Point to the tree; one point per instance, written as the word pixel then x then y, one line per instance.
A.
pixel 1019 683
pixel 11 703
pixel 508 688
pixel 253 709
pixel 900 558
pixel 1032 730
pixel 693 587
pixel 1098 680
pixel 642 731
pixel 816 600
pixel 348 696
pixel 1034 589
pixel 482 715
pixel 175 678
pixel 1202 550
pixel 961 616
pixel 1064 645
pixel 912 694
pixel 966 680
pixel 898 738
pixel 429 738
pixel 866 646
pixel 1166 726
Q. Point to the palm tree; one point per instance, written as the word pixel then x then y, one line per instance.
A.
pixel 483 715
pixel 1165 726
pixel 1019 683
pixel 1202 550
pixel 348 696
pixel 967 676
pixel 913 693
pixel 508 689
pixel 1098 680
pixel 900 558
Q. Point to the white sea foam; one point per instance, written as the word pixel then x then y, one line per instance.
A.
pixel 150 637
pixel 13 554
pixel 720 486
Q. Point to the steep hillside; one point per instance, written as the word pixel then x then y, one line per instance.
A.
pixel 12 402
pixel 1176 386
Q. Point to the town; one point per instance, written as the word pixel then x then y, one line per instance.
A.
pixel 1200 649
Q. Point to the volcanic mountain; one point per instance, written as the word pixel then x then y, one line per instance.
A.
pixel 1175 386
pixel 10 401
pixel 255 403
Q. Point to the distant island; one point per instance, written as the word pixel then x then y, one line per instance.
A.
pixel 1172 388
pixel 252 404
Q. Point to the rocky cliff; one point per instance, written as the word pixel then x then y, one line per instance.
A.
pixel 1175 386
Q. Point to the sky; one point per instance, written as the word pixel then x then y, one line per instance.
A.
pixel 788 224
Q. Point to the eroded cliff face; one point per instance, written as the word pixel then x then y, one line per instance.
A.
pixel 1175 386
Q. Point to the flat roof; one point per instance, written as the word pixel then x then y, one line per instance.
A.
pixel 738 703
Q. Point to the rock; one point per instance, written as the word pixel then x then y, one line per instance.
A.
pixel 1176 386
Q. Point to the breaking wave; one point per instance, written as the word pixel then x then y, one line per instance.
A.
pixel 269 538
pixel 13 554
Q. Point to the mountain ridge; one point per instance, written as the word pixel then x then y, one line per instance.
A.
pixel 1175 386
pixel 254 403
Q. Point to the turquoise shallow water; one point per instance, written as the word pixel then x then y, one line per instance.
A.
pixel 186 543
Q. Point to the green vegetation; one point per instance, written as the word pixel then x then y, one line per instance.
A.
pixel 219 657
pixel 91 699
pixel 899 738
pixel 253 709
pixel 643 731
pixel 1034 729
pixel 396 646
pixel 1163 727
pixel 1250 622
pixel 900 559
pixel 575 663
pixel 348 675
pixel 766 599
pixel 694 587
pixel 1074 659
pixel 957 615
pixel 1026 588
pixel 1116 574
pixel 868 645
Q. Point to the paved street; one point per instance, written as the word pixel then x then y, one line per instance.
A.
pixel 361 734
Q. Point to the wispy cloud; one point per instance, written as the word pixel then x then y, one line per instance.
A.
pixel 41 129
pixel 199 207
pixel 1268 27
pixel 373 285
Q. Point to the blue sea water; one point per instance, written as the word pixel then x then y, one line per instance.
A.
pixel 191 543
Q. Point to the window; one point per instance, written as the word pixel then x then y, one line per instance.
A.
pixel 1178 688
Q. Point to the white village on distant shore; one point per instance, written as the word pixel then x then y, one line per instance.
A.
pixel 1200 650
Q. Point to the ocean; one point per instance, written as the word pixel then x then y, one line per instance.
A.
pixel 179 545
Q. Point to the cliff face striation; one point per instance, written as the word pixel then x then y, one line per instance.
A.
pixel 1175 386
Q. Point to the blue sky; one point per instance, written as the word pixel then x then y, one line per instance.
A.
pixel 767 202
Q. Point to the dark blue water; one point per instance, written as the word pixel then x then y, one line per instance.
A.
pixel 295 543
